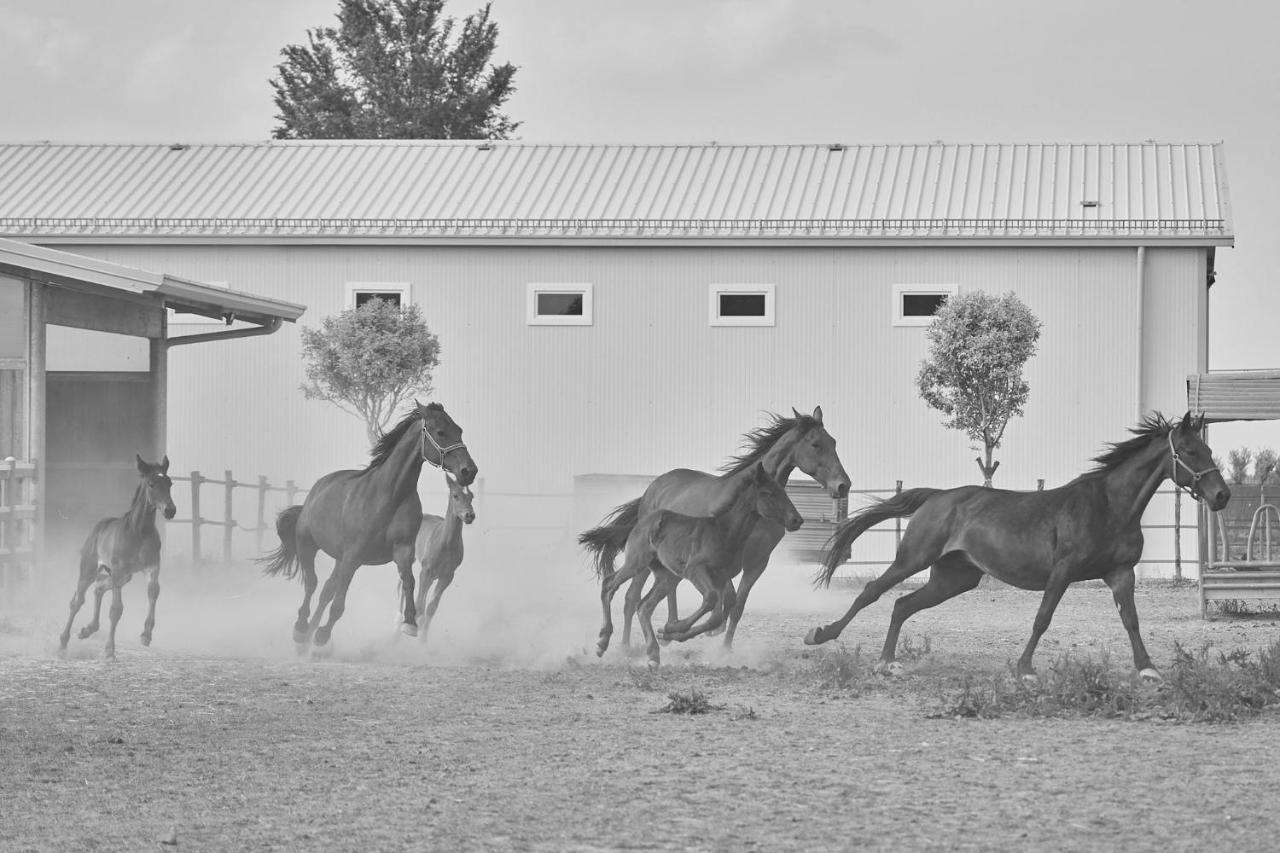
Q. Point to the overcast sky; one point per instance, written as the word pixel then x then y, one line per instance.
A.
pixel 734 71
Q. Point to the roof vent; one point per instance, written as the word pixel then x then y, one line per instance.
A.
pixel 836 146
pixel 484 146
pixel 178 146
pixel 1089 203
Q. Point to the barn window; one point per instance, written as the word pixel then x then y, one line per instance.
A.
pixel 915 304
pixel 742 305
pixel 559 305
pixel 184 318
pixel 359 293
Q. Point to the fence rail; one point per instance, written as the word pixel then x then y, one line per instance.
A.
pixel 18 517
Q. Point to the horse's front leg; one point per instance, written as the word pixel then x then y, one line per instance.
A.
pixel 101 584
pixel 402 553
pixel 442 583
pixel 153 593
pixel 77 601
pixel 1053 591
pixel 697 573
pixel 1121 583
pixel 118 580
pixel 755 559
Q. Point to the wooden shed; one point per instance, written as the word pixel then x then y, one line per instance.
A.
pixel 68 437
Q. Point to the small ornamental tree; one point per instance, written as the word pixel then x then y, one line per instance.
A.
pixel 1238 460
pixel 1264 466
pixel 978 344
pixel 369 360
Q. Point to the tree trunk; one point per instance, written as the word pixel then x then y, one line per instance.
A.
pixel 987 467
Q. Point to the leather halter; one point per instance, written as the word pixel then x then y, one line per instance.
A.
pixel 1194 488
pixel 426 436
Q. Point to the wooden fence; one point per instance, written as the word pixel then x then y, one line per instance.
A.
pixel 17 520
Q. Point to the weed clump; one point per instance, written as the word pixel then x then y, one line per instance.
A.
pixel 691 701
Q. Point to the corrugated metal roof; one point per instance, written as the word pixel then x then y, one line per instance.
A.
pixel 1237 395
pixel 484 189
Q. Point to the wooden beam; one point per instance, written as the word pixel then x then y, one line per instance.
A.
pixel 103 313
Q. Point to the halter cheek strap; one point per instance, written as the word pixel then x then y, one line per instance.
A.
pixel 1194 488
pixel 426 437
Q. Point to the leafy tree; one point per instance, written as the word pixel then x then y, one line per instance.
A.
pixel 1239 460
pixel 978 344
pixel 369 360
pixel 1264 465
pixel 392 69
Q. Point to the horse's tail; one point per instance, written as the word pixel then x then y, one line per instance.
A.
pixel 284 560
pixel 611 537
pixel 898 506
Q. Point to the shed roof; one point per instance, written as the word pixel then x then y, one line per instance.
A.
pixel 1235 395
pixel 178 293
pixel 1140 192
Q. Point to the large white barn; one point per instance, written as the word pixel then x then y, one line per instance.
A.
pixel 626 309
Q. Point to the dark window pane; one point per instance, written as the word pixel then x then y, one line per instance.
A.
pixel 922 304
pixel 560 304
pixel 742 305
pixel 364 297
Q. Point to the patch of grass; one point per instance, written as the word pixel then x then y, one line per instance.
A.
pixel 645 678
pixel 1240 608
pixel 841 668
pixel 1230 686
pixel 909 651
pixel 691 701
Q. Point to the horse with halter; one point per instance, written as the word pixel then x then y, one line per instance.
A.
pixel 782 446
pixel 367 517
pixel 706 551
pixel 1086 530
pixel 118 547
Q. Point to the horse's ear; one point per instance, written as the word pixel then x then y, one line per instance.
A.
pixel 817 414
pixel 1198 424
pixel 164 465
pixel 1186 424
pixel 142 466
pixel 416 404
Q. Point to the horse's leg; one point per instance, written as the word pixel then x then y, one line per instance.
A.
pixel 725 597
pixel 336 587
pixel 608 588
pixel 632 602
pixel 910 560
pixel 755 557
pixel 699 574
pixel 442 583
pixel 663 583
pixel 425 576
pixel 102 582
pixel 1121 583
pixel 1057 585
pixel 402 553
pixel 77 601
pixel 952 575
pixel 306 551
pixel 118 580
pixel 153 592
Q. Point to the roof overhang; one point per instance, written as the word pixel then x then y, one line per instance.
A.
pixel 1235 395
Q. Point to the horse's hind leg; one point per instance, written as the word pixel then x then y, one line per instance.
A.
pixel 952 575
pixel 608 588
pixel 334 595
pixel 153 593
pixel 306 550
pixel 103 582
pixel 910 560
pixel 663 583
pixel 77 601
pixel 631 603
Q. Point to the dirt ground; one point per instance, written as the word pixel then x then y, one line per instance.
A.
pixel 506 732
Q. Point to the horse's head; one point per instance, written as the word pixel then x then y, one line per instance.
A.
pixel 1193 465
pixel 460 499
pixel 156 483
pixel 442 443
pixel 815 454
pixel 772 501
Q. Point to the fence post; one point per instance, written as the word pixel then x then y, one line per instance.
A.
pixel 291 492
pixel 196 480
pixel 1040 485
pixel 9 525
pixel 1177 534
pixel 262 512
pixel 228 521
pixel 897 522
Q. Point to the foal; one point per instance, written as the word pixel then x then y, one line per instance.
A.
pixel 707 551
pixel 118 547
pixel 440 549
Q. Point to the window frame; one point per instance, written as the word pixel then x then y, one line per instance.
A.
pixel 401 288
pixel 584 289
pixel 715 291
pixel 898 318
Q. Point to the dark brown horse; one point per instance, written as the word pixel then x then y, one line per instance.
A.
pixel 1089 529
pixel 707 551
pixel 367 517
pixel 118 547
pixel 781 447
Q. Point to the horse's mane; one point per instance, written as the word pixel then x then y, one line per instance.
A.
pixel 1118 452
pixel 382 450
pixel 759 440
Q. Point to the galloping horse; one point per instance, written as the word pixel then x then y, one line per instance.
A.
pixel 1089 529
pixel 118 547
pixel 784 445
pixel 367 517
pixel 440 549
pixel 704 550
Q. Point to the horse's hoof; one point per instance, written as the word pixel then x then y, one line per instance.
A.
pixel 1150 676
pixel 146 639
pixel 890 668
pixel 408 629
pixel 653 665
pixel 109 654
pixel 814 637
pixel 1028 677
pixel 85 633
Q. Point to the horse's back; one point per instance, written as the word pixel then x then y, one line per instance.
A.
pixel 682 490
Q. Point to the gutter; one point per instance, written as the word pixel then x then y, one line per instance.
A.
pixel 267 328
pixel 1142 290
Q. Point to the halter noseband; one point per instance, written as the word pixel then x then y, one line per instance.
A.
pixel 1194 487
pixel 426 436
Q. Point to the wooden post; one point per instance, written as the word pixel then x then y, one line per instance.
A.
pixel 38 418
pixel 1040 485
pixel 290 491
pixel 1177 534
pixel 9 526
pixel 227 521
pixel 262 512
pixel 196 480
